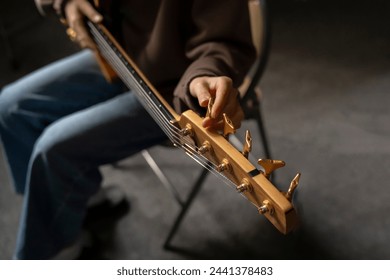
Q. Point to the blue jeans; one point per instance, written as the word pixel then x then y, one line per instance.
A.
pixel 57 126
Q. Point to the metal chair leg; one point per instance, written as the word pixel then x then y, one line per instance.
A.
pixel 184 205
pixel 194 191
pixel 164 180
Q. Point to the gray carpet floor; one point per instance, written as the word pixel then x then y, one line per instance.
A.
pixel 326 106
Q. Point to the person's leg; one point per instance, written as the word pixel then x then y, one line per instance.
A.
pixel 30 104
pixel 64 170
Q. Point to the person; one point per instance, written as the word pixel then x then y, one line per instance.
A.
pixel 59 124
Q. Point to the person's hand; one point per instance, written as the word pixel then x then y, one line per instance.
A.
pixel 225 100
pixel 75 13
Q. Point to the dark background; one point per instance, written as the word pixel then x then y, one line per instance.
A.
pixel 326 106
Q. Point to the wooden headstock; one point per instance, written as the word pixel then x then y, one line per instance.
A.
pixel 248 180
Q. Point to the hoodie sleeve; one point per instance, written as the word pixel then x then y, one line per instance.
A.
pixel 220 44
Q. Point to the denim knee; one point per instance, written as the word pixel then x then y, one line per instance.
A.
pixel 49 143
pixel 56 156
pixel 8 105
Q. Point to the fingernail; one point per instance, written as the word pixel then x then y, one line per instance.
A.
pixel 203 103
pixel 97 18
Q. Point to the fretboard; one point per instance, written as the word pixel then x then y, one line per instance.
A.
pixel 133 78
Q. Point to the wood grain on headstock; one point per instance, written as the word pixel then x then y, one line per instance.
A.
pixel 283 216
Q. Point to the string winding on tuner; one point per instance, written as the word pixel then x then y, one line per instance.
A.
pixel 266 208
pixel 187 131
pixel 245 186
pixel 206 147
pixel 224 166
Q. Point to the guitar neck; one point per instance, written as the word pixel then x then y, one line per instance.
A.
pixel 132 76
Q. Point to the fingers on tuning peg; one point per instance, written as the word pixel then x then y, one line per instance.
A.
pixel 270 165
pixel 228 127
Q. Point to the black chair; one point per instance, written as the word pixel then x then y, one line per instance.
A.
pixel 250 101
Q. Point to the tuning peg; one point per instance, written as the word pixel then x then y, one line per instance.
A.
pixel 270 165
pixel 248 144
pixel 293 185
pixel 228 127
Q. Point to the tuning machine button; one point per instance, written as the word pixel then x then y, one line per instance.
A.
pixel 228 127
pixel 270 165
pixel 293 185
pixel 248 144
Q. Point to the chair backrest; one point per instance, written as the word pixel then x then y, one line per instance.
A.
pixel 257 25
pixel 261 37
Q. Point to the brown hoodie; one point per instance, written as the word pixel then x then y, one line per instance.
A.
pixel 174 41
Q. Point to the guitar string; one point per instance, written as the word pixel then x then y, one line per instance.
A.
pixel 176 132
pixel 192 152
pixel 164 123
pixel 188 148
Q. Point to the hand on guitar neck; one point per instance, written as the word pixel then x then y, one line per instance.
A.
pixel 75 13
